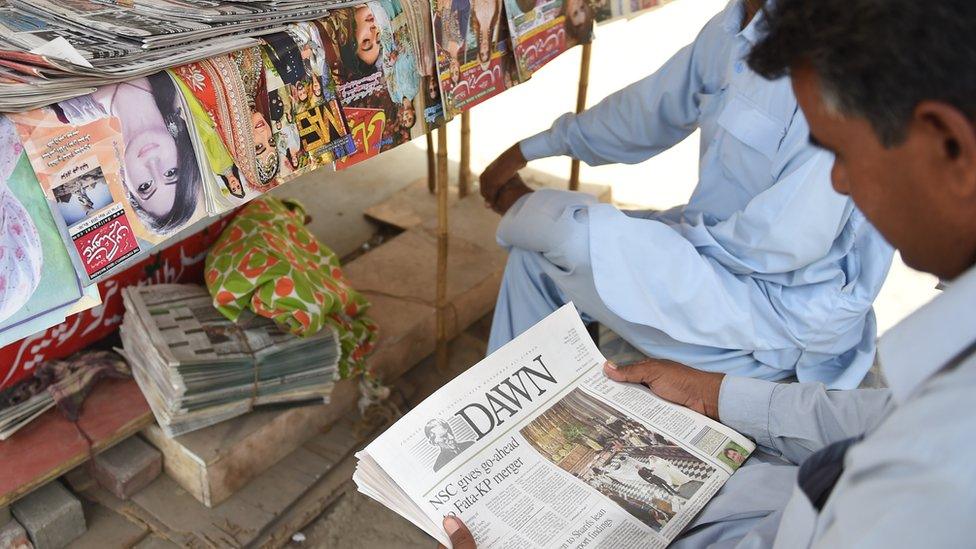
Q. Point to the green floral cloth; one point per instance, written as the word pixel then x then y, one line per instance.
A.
pixel 266 260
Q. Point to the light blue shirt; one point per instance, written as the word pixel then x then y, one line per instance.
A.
pixel 765 260
pixel 909 483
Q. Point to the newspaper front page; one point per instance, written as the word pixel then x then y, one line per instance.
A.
pixel 536 447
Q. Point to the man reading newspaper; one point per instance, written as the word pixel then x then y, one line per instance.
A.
pixel 888 88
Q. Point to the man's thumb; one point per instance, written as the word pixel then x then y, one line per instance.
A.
pixel 461 537
pixel 638 372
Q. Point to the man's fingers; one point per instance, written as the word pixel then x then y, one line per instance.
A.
pixel 638 372
pixel 461 537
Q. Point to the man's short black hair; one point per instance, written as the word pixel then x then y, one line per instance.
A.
pixel 876 59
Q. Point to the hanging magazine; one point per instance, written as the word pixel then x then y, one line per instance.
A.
pixel 473 57
pixel 543 29
pixel 609 10
pixel 417 15
pixel 535 447
pixel 118 170
pixel 232 90
pixel 39 285
pixel 374 64
pixel 309 126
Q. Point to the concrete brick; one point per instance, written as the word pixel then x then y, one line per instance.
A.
pixel 13 536
pixel 79 479
pixel 127 467
pixel 52 516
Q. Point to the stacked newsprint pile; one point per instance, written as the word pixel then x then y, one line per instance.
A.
pixel 57 49
pixel 196 368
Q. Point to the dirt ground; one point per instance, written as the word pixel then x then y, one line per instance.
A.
pixel 357 521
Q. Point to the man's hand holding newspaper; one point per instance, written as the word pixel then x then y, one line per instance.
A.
pixel 540 445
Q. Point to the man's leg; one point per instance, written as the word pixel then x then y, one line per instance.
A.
pixel 527 295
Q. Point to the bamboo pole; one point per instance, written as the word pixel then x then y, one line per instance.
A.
pixel 431 175
pixel 464 170
pixel 442 236
pixel 584 82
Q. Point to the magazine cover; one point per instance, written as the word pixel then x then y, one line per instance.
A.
pixel 232 90
pixel 223 185
pixel 609 10
pixel 473 57
pixel 543 29
pixel 404 79
pixel 38 283
pixel 309 127
pixel 118 170
pixel 366 62
pixel 417 14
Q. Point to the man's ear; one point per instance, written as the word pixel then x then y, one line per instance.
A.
pixel 953 137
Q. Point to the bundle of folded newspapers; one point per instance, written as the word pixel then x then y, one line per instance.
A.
pixel 52 50
pixel 196 368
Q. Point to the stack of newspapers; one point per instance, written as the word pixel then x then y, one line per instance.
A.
pixel 52 50
pixel 536 447
pixel 196 368
pixel 16 416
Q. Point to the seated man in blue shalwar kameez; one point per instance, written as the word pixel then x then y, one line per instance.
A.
pixel 766 272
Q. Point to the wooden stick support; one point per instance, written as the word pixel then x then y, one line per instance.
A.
pixel 442 240
pixel 584 82
pixel 431 173
pixel 464 170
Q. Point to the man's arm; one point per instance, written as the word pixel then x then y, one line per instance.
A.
pixel 797 419
pixel 794 419
pixel 641 120
pixel 629 126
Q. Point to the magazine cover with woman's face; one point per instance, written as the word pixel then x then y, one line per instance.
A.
pixel 118 169
pixel 369 50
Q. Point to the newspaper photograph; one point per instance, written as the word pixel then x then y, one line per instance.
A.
pixel 535 447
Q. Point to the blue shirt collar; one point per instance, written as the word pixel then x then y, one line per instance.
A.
pixel 919 346
pixel 733 21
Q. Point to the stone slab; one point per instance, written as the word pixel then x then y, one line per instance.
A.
pixel 106 528
pixel 155 542
pixel 175 515
pixel 52 516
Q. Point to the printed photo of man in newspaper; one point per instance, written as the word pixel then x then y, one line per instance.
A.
pixel 441 435
pixel 645 473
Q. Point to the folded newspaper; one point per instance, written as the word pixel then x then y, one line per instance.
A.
pixel 535 447
pixel 196 368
